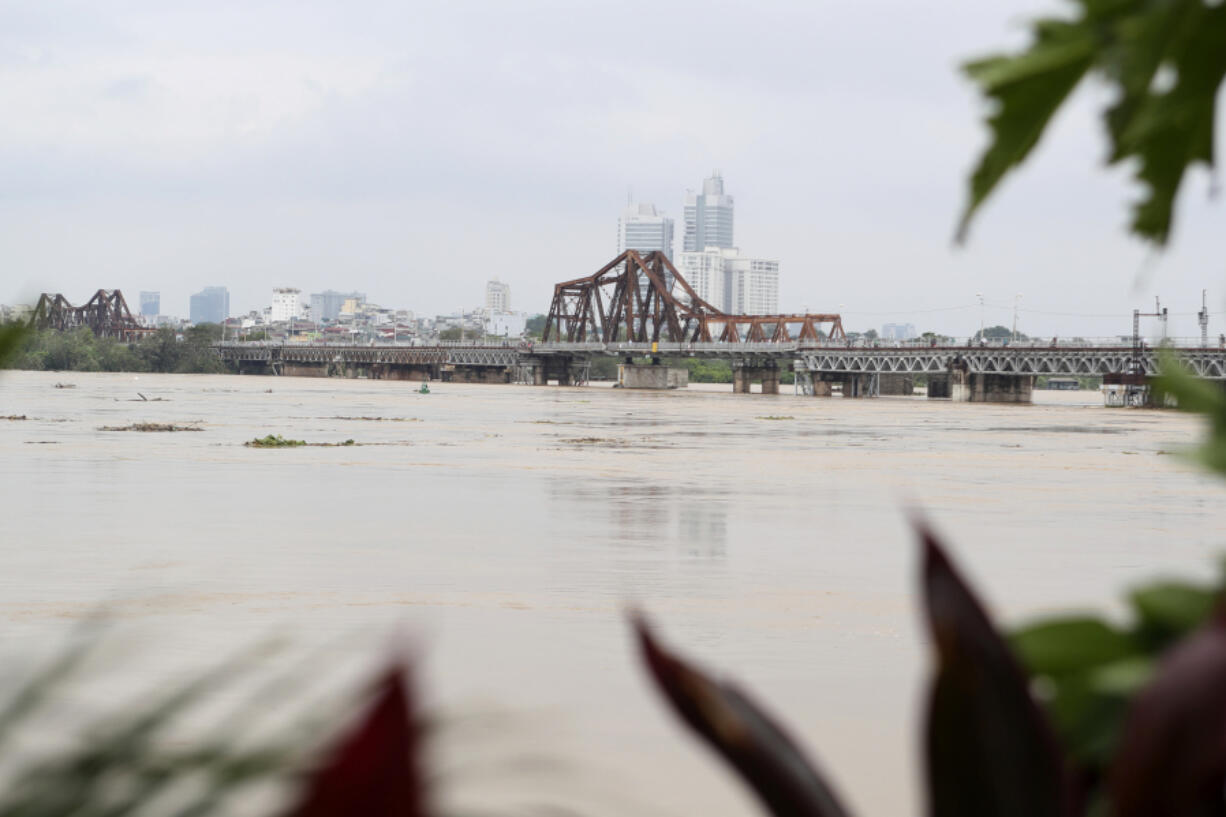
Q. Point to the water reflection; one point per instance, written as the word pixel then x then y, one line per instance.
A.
pixel 691 519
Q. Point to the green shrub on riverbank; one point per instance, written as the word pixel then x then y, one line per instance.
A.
pixel 82 351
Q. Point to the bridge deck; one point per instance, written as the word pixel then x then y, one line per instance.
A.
pixel 1019 360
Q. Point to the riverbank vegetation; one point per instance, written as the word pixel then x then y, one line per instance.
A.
pixel 80 350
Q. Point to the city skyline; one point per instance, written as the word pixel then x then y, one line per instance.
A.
pixel 319 173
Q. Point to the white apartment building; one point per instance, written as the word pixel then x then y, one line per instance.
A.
pixel 731 282
pixel 498 296
pixel 286 304
pixel 753 285
pixel 705 273
pixel 644 229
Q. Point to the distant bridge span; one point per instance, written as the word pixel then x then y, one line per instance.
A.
pixel 991 373
pixel 1018 360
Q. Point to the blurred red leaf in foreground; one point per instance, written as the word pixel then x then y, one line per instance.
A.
pixel 738 729
pixel 990 750
pixel 375 769
pixel 1172 758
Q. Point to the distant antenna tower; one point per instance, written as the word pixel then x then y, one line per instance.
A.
pixel 1202 318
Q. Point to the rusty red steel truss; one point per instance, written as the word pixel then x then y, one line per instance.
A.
pixel 644 299
pixel 106 313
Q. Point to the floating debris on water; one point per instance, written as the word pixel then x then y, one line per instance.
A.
pixel 273 441
pixel 776 417
pixel 151 427
pixel 277 441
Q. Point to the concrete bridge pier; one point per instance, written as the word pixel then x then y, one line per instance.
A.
pixel 938 386
pixel 477 374
pixel 564 369
pixel 744 375
pixel 896 384
pixel 304 369
pixel 861 385
pixel 968 387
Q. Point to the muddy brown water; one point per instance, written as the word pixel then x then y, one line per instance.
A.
pixel 505 530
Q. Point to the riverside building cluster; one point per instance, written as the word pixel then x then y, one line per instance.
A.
pixel 709 259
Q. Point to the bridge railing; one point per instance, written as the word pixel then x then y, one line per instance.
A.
pixel 766 347
pixel 946 342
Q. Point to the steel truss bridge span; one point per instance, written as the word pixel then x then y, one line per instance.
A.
pixel 274 354
pixel 106 314
pixel 644 299
pixel 1208 363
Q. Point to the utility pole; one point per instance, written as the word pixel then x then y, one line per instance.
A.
pixel 979 295
pixel 1016 299
pixel 1136 364
pixel 1202 318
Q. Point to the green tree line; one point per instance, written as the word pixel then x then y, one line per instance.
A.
pixel 80 350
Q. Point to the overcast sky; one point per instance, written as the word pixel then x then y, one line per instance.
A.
pixel 413 150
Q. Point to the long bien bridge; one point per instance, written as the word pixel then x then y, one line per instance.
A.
pixel 640 307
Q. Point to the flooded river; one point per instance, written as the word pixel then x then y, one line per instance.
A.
pixel 504 530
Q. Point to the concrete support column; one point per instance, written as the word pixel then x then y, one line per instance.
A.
pixel 740 380
pixel 539 376
pixel 770 381
pixel 960 386
pixel 822 388
pixel 938 386
pixel 859 385
pixel 897 384
pixel 1001 388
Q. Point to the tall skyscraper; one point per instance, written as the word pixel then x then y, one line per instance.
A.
pixel 150 304
pixel 708 217
pixel 498 296
pixel 210 305
pixel 327 305
pixel 644 229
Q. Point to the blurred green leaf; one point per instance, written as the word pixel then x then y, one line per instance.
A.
pixel 1173 607
pixel 1066 645
pixel 1198 396
pixel 1164 60
pixel 1087 720
pixel 1026 90
pixel 1123 678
